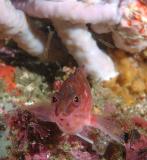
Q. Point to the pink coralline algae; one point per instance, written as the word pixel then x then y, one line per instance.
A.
pixel 31 136
pixel 83 155
pixel 137 150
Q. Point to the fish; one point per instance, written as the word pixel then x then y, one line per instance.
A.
pixel 73 103
pixel 71 108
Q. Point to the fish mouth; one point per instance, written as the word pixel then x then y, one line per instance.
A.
pixel 67 127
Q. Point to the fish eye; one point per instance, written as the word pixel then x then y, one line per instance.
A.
pixel 76 99
pixel 126 137
pixel 54 99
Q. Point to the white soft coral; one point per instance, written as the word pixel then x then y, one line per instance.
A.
pixel 84 49
pixel 15 24
pixel 70 18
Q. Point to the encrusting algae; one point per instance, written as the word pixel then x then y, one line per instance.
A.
pixel 131 84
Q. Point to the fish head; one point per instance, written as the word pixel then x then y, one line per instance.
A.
pixel 72 104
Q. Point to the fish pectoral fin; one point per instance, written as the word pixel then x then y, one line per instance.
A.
pixel 107 126
pixel 41 111
pixel 85 138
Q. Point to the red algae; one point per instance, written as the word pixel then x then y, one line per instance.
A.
pixel 30 136
pixel 7 74
pixel 140 122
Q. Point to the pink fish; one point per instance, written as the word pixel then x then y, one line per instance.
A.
pixel 71 108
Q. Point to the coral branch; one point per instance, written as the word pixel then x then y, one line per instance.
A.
pixel 129 34
pixel 84 49
pixel 14 24
pixel 78 12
